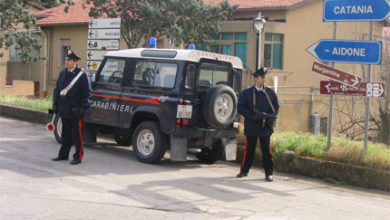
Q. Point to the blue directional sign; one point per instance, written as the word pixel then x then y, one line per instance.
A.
pixel 364 52
pixel 356 10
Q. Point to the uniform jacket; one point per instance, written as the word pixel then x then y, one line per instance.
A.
pixel 78 95
pixel 245 108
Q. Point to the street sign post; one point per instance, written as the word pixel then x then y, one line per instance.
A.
pixel 104 34
pixel 105 23
pixel 96 54
pixel 355 10
pixel 362 52
pixel 103 44
pixel 375 90
pixel 337 75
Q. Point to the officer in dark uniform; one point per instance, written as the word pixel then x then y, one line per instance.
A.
pixel 259 105
pixel 69 102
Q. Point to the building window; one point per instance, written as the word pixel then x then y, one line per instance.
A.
pixel 65 46
pixel 229 44
pixel 273 51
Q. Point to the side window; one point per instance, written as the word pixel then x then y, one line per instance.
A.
pixel 213 74
pixel 112 71
pixel 190 76
pixel 156 74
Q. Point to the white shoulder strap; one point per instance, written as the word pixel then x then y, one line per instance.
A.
pixel 66 90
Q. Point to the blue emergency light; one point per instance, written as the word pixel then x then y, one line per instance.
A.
pixel 152 42
pixel 191 46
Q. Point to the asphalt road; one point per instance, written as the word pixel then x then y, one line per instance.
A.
pixel 112 184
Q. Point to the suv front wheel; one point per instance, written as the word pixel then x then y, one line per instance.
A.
pixel 149 143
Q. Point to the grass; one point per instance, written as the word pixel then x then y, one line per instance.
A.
pixel 26 102
pixel 342 150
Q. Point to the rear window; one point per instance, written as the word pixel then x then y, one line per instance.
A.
pixel 212 74
pixel 156 74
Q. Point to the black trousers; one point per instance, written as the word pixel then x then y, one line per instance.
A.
pixel 249 154
pixel 72 134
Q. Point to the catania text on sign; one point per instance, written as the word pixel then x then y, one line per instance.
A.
pixel 360 9
pixel 343 51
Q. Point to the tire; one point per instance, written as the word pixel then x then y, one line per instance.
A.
pixel 149 143
pixel 57 129
pixel 220 106
pixel 122 140
pixel 210 156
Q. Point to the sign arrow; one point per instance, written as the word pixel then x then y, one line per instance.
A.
pixel 356 10
pixel 89 54
pixel 381 90
pixel 90 34
pixel 363 52
pixel 89 65
pixel 337 75
pixel 90 44
pixel 91 23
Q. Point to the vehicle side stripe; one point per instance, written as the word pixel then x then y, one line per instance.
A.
pixel 152 101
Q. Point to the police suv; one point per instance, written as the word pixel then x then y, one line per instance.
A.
pixel 160 99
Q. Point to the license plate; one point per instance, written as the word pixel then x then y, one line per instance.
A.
pixel 184 111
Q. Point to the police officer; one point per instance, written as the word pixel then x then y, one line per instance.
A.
pixel 69 102
pixel 259 105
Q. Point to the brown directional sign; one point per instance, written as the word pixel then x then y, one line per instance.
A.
pixel 365 89
pixel 337 75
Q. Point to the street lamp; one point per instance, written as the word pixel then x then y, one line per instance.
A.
pixel 258 24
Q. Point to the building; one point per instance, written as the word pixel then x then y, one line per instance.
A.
pixel 291 26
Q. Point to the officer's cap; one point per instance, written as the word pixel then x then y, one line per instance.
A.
pixel 260 72
pixel 72 56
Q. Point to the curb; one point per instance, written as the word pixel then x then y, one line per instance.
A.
pixel 335 172
pixel 25 114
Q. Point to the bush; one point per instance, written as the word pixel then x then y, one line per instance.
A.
pixel 26 102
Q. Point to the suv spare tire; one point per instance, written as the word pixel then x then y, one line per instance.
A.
pixel 220 106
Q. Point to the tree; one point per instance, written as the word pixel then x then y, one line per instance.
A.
pixel 185 21
pixel 15 23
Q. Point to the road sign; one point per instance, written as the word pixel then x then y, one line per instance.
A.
pixel 103 33
pixel 355 10
pixel 337 75
pixel 364 52
pixel 365 89
pixel 105 23
pixel 96 54
pixel 93 65
pixel 103 44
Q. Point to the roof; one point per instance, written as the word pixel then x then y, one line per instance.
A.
pixel 177 54
pixel 245 5
pixel 79 15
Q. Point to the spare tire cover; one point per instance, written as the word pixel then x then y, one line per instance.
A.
pixel 220 106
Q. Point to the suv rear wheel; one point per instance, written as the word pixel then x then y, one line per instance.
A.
pixel 220 106
pixel 149 143
pixel 210 155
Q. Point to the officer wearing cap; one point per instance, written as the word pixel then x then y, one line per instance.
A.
pixel 69 102
pixel 259 105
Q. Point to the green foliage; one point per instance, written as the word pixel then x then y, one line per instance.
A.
pixel 187 21
pixel 22 101
pixel 343 150
pixel 15 22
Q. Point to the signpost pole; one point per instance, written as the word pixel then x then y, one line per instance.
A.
pixel 331 101
pixel 366 120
